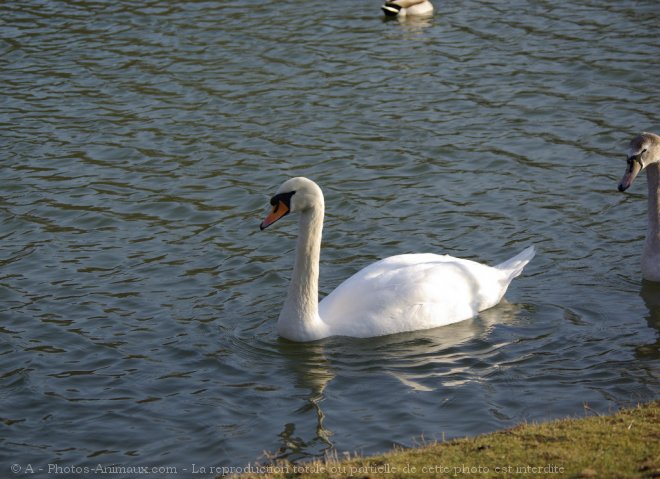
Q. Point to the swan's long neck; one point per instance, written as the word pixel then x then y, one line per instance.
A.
pixel 299 319
pixel 651 255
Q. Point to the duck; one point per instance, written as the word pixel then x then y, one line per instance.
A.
pixel 644 154
pixel 404 8
pixel 402 293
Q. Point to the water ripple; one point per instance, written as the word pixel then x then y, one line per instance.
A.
pixel 140 145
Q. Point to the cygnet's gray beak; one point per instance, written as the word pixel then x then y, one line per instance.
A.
pixel 632 170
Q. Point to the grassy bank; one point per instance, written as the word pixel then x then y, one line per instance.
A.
pixel 623 445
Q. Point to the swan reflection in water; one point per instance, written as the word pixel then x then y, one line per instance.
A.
pixel 421 361
pixel 650 293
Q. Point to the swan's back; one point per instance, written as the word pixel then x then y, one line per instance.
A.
pixel 416 291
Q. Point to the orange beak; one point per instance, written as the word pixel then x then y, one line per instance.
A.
pixel 279 210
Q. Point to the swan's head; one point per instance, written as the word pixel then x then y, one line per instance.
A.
pixel 294 196
pixel 644 149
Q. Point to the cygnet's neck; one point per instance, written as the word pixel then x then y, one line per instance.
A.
pixel 299 319
pixel 651 255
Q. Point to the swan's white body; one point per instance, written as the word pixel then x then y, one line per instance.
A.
pixel 415 291
pixel 644 154
pixel 397 294
pixel 405 8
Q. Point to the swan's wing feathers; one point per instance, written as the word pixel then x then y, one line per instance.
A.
pixel 409 292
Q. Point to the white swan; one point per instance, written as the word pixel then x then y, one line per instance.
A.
pixel 644 154
pixel 403 8
pixel 400 293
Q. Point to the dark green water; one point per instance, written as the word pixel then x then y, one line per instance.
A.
pixel 140 143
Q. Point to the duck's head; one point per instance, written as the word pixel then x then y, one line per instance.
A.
pixel 644 149
pixel 391 9
pixel 294 195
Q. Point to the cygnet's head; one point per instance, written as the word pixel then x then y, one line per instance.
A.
pixel 644 149
pixel 295 195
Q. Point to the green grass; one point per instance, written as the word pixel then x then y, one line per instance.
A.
pixel 623 445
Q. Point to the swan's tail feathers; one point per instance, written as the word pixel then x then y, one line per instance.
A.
pixel 515 265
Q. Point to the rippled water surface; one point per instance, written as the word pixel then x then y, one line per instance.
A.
pixel 140 144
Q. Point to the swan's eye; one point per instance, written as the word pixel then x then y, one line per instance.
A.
pixel 283 197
